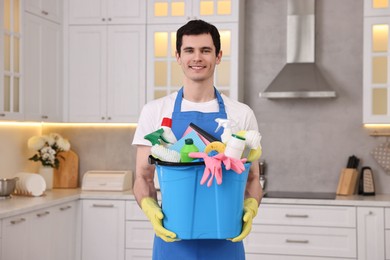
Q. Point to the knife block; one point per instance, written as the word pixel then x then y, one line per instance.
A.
pixel 347 182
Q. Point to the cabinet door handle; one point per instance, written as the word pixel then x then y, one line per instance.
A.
pixel 17 221
pixel 42 214
pixel 296 216
pixel 109 19
pixel 44 117
pixel 65 208
pixel 296 241
pixel 103 118
pixel 103 19
pixel 103 205
pixel 109 118
pixel 2 114
pixel 44 12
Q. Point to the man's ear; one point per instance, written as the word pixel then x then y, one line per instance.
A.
pixel 177 54
pixel 219 57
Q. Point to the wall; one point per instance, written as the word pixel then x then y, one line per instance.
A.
pixel 306 142
pixel 14 152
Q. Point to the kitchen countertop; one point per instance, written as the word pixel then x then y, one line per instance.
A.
pixel 23 204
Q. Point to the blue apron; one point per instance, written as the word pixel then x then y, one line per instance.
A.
pixel 200 249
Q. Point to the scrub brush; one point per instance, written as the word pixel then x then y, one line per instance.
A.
pixel 165 154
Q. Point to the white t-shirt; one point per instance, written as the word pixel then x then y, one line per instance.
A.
pixel 154 111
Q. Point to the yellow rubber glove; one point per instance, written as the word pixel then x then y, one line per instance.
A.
pixel 153 211
pixel 250 211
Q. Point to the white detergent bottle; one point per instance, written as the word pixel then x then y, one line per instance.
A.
pixel 168 136
pixel 235 147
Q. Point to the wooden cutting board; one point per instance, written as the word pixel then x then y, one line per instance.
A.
pixel 66 176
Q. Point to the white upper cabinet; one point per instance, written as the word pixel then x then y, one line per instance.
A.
pixel 376 57
pixel 106 73
pixel 376 7
pixel 107 12
pixel 48 9
pixel 174 11
pixel 11 39
pixel 106 69
pixel 164 74
pixel 42 70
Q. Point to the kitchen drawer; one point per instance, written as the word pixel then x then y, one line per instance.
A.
pixel 139 254
pixel 301 215
pixel 134 212
pixel 387 218
pixel 139 234
pixel 387 244
pixel 306 241
pixel 289 257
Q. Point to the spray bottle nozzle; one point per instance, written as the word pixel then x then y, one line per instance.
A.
pixel 225 123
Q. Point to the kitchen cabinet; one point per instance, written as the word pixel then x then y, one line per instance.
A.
pixel 11 107
pixel 180 11
pixel 376 84
pixel 302 231
pixel 376 7
pixel 42 69
pixel 106 73
pixel 164 74
pixel 387 233
pixel 371 233
pixel 34 235
pixel 139 233
pixel 47 9
pixel 103 230
pixel 107 12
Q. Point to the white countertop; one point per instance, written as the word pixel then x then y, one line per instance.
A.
pixel 22 204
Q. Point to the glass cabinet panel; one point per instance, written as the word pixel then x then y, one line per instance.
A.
pixel 379 101
pixel 380 37
pixel 379 70
pixel 10 85
pixel 380 4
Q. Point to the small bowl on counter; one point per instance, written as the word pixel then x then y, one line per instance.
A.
pixel 7 186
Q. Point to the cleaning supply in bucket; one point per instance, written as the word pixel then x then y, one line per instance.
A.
pixel 194 211
pixel 165 154
pixel 154 137
pixel 227 124
pixel 235 147
pixel 252 149
pixel 186 149
pixel 168 137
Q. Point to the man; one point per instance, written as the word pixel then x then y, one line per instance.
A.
pixel 197 52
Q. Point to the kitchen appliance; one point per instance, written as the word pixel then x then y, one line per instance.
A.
pixel 300 77
pixel 7 186
pixel 366 182
pixel 107 181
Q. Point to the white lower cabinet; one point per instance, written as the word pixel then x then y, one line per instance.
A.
pixel 387 233
pixel 103 230
pixel 298 231
pixel 139 233
pixel 371 233
pixel 44 234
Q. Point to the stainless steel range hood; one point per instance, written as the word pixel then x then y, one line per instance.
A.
pixel 300 77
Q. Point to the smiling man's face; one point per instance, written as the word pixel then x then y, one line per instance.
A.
pixel 197 58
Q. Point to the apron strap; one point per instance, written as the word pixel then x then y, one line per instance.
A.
pixel 179 99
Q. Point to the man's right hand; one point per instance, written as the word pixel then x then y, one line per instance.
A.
pixel 153 211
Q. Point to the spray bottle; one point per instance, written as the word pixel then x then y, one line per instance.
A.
pixel 168 137
pixel 227 125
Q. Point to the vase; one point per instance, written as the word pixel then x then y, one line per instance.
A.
pixel 47 173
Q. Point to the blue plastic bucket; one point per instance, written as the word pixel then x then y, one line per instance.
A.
pixel 195 211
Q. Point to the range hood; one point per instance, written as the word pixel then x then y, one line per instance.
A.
pixel 300 77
